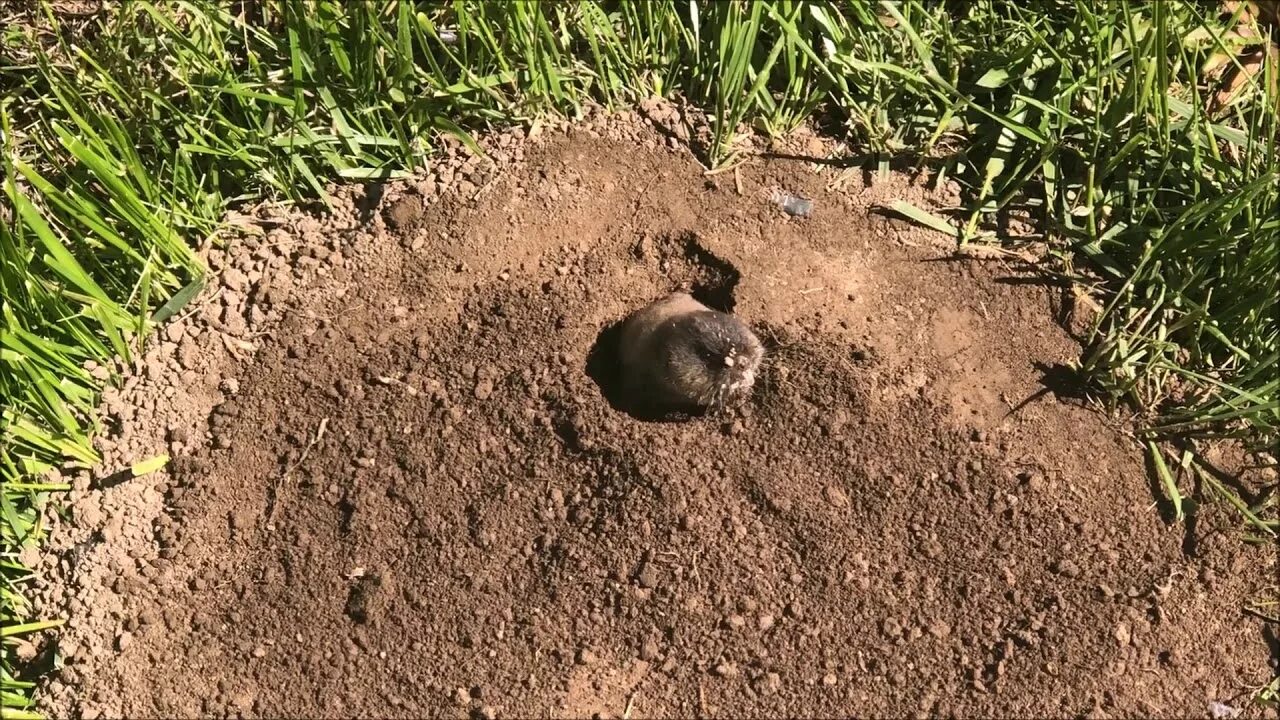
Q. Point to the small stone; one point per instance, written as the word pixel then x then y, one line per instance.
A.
pixel 765 622
pixel 123 641
pixel 234 279
pixel 25 651
pixel 259 651
pixel 648 576
pixel 586 657
pixel 829 679
pixel 240 519
pixel 483 389
pixel 1122 634
pixel 726 670
pixel 649 650
pixel 243 702
pixel 891 628
pixel 1065 568
pixel 836 496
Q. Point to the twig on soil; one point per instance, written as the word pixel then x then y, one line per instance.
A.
pixel 724 169
pixel 236 346
pixel 643 192
pixel 324 424
pixel 1255 612
pixel 279 482
pixel 975 251
pixel 330 318
pixel 737 180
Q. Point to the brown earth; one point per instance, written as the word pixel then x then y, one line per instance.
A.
pixel 399 487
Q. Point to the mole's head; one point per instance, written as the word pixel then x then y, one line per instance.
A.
pixel 715 357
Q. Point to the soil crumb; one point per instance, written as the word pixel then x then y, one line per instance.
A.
pixel 400 489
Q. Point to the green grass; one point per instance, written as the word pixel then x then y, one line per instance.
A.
pixel 126 135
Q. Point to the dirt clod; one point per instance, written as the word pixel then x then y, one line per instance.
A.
pixel 404 213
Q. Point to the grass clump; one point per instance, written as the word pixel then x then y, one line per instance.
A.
pixel 1141 137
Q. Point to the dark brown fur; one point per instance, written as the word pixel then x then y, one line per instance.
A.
pixel 678 354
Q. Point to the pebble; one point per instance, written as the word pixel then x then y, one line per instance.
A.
pixel 765 622
pixel 1065 568
pixel 123 641
pixel 586 657
pixel 726 670
pixel 835 496
pixel 234 279
pixel 648 577
pixel 649 650
pixel 1122 634
pixel 769 683
pixel 241 519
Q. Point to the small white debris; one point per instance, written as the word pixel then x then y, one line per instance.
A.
pixel 1222 711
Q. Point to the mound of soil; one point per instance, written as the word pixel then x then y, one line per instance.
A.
pixel 400 488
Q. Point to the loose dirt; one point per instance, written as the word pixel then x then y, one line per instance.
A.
pixel 401 486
